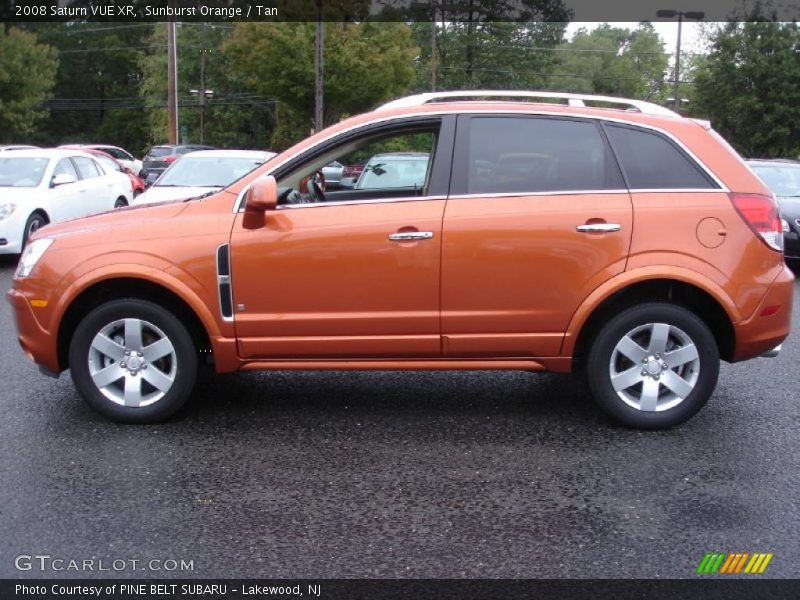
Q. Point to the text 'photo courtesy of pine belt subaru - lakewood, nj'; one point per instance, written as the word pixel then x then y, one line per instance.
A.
pixel 548 231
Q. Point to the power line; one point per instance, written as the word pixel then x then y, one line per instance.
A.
pixel 544 74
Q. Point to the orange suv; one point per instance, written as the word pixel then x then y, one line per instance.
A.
pixel 532 231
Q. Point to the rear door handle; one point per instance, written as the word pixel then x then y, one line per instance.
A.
pixel 599 227
pixel 408 236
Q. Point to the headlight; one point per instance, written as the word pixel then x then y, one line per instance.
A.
pixel 33 252
pixel 6 210
pixel 785 226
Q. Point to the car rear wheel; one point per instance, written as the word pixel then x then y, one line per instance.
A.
pixel 653 366
pixel 121 202
pixel 133 361
pixel 34 222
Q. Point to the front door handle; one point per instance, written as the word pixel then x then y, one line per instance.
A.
pixel 410 236
pixel 599 227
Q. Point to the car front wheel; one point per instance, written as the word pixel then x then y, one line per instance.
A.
pixel 35 222
pixel 653 366
pixel 133 361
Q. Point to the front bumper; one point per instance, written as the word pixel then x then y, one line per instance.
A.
pixel 11 235
pixel 38 343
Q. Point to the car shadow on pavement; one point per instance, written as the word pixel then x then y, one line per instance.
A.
pixel 260 400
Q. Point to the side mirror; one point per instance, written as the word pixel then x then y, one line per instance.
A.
pixel 260 198
pixel 62 179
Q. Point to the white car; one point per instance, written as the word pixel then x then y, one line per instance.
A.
pixel 201 172
pixel 125 158
pixel 38 187
pixel 9 147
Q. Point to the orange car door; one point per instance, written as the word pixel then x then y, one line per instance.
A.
pixel 352 278
pixel 538 217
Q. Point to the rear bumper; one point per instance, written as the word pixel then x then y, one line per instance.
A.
pixel 762 332
pixel 38 344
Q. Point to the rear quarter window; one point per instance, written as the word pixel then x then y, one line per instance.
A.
pixel 652 161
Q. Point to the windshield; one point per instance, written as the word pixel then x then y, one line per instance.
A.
pixel 783 180
pixel 388 172
pixel 207 171
pixel 22 172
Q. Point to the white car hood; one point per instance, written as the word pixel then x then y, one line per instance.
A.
pixel 164 193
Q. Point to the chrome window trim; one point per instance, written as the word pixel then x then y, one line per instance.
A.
pixel 576 192
pixel 238 203
pixel 350 202
pixel 523 194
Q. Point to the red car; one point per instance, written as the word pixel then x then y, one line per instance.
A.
pixel 109 162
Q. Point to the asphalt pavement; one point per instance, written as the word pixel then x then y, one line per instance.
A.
pixel 384 475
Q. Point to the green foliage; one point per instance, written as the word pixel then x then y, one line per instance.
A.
pixel 232 117
pixel 95 95
pixel 364 64
pixel 749 86
pixel 413 142
pixel 612 61
pixel 27 75
pixel 477 46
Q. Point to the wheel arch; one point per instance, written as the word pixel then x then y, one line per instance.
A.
pixel 128 287
pixel 715 312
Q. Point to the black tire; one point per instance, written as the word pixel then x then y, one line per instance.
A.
pixel 34 222
pixel 698 374
pixel 156 323
pixel 120 202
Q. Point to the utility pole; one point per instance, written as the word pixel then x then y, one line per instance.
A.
pixel 318 67
pixel 671 14
pixel 172 84
pixel 202 93
pixel 433 49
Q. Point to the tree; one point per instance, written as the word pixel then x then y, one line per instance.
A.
pixel 233 116
pixel 613 61
pixel 365 64
pixel 27 75
pixel 95 96
pixel 488 44
pixel 749 86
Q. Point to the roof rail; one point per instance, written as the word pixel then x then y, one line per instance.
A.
pixel 576 100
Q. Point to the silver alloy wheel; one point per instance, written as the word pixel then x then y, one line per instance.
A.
pixel 132 362
pixel 654 367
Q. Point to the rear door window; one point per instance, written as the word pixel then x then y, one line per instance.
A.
pixel 651 161
pixel 515 155
pixel 86 167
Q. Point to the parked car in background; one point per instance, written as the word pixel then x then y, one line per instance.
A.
pixel 158 158
pixel 111 164
pixel 350 175
pixel 333 174
pixel 8 147
pixel 202 172
pixel 134 165
pixel 516 250
pixel 38 187
pixel 782 176
pixel 394 170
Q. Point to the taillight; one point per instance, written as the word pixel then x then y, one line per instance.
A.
pixel 170 159
pixel 761 215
